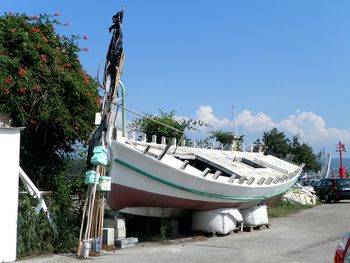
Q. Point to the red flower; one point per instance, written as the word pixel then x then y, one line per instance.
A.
pixel 89 93
pixel 85 49
pixel 13 30
pixel 8 80
pixel 43 58
pixel 23 90
pixel 68 65
pixel 38 46
pixel 45 41
pixel 86 37
pixel 97 99
pixel 76 128
pixel 22 72
pixel 7 91
pixel 35 30
pixel 86 80
pixel 36 88
pixel 32 121
pixel 56 14
pixel 35 18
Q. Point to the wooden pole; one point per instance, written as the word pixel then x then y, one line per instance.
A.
pixel 82 224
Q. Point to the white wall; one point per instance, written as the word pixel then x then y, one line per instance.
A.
pixel 9 163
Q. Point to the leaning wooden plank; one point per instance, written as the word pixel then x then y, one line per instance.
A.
pixel 277 179
pixel 205 172
pixel 251 180
pixel 216 175
pixel 241 180
pixel 161 155
pixel 269 180
pixel 232 178
pixel 184 164
pixel 261 180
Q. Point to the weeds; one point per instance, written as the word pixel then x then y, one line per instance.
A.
pixel 285 208
pixel 35 235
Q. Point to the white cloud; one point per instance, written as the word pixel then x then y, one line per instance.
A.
pixel 258 123
pixel 313 126
pixel 205 114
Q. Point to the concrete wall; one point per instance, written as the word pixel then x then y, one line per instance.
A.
pixel 9 163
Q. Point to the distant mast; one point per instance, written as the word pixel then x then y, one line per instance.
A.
pixel 301 134
pixel 341 148
pixel 234 119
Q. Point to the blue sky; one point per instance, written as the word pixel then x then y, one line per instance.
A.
pixel 268 58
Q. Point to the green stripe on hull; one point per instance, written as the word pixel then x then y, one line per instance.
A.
pixel 190 190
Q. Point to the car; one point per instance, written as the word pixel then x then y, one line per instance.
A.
pixel 342 252
pixel 311 182
pixel 333 189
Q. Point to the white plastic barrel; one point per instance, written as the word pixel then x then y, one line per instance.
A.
pixel 9 170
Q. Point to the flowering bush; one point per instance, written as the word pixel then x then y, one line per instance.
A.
pixel 44 88
pixel 42 83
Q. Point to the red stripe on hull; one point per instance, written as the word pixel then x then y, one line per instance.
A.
pixel 122 196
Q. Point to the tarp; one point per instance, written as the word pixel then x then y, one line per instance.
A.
pixel 113 62
pixel 300 195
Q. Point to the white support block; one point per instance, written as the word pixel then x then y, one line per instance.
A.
pixel 154 138
pixel 194 143
pixel 163 140
pixel 108 236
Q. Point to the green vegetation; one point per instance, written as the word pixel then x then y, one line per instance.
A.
pixel 227 138
pixel 44 88
pixel 277 144
pixel 150 127
pixel 35 235
pixel 285 208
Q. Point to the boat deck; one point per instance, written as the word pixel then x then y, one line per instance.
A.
pixel 244 168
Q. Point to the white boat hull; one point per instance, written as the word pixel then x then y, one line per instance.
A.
pixel 141 180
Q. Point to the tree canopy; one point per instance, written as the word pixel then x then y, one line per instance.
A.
pixel 228 138
pixel 44 88
pixel 151 125
pixel 303 153
pixel 277 144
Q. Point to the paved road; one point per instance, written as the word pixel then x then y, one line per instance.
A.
pixel 310 236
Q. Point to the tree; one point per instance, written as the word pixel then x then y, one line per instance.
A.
pixel 44 88
pixel 227 138
pixel 151 125
pixel 277 143
pixel 303 153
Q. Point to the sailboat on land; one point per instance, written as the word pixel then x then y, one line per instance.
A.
pixel 159 176
pixel 169 176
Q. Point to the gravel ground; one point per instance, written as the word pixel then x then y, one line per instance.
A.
pixel 309 236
